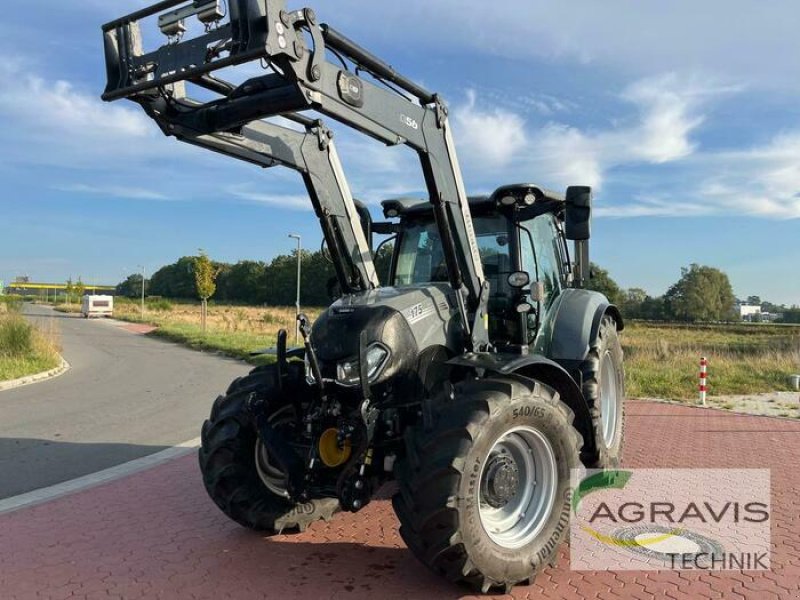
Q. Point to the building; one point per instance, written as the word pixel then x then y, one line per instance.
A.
pixel 30 288
pixel 749 312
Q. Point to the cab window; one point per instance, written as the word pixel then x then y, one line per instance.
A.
pixel 540 255
pixel 420 258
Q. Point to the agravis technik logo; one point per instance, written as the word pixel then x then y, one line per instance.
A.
pixel 670 518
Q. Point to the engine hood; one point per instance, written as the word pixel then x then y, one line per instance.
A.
pixel 406 320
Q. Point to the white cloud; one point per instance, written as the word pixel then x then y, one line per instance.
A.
pixel 114 191
pixel 491 138
pixel 58 104
pixel 294 202
pixel 729 37
pixel 501 145
pixel 376 172
pixel 763 180
pixel 666 106
pixel 644 206
pixel 53 123
pixel 668 110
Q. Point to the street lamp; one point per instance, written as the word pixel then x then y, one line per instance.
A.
pixel 297 301
pixel 143 273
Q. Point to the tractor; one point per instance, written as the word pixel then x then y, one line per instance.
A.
pixel 473 382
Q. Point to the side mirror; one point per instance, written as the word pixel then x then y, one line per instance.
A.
pixel 578 213
pixel 537 291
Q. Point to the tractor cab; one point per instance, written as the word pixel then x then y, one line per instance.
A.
pixel 520 232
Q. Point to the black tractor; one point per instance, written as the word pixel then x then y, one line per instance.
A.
pixel 476 380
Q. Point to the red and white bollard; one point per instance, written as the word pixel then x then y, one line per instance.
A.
pixel 703 375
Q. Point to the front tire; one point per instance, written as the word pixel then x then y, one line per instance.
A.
pixel 236 473
pixel 604 390
pixel 468 505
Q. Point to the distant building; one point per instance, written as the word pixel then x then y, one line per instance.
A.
pixel 749 312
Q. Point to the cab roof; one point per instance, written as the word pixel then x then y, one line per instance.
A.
pixel 522 195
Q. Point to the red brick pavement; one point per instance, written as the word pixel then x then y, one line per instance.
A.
pixel 155 534
pixel 140 328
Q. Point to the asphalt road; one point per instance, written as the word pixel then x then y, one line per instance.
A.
pixel 125 396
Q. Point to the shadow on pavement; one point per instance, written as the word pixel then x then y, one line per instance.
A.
pixel 28 464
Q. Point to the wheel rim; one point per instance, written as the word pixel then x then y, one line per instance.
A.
pixel 609 402
pixel 517 487
pixel 271 474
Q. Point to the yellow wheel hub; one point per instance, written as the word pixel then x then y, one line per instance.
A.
pixel 330 452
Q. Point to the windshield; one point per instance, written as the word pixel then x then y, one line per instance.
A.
pixel 421 259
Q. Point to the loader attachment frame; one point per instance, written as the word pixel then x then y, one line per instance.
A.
pixel 294 48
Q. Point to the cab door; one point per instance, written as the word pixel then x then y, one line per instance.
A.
pixel 540 256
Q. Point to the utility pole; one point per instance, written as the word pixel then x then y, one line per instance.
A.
pixel 143 274
pixel 297 301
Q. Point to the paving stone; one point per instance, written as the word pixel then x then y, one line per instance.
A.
pixel 155 534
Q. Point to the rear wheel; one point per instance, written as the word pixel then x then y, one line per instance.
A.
pixel 238 473
pixel 484 494
pixel 604 390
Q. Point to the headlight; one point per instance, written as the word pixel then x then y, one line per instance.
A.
pixel 347 371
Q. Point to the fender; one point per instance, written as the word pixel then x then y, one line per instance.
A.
pixel 572 323
pixel 540 368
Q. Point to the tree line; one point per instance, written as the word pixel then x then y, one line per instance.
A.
pixel 702 293
pixel 251 281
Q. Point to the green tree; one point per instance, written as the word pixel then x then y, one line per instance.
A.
pixel 631 302
pixel 769 307
pixel 600 281
pixel 246 281
pixel 281 277
pixel 69 289
pixel 175 280
pixel 80 288
pixel 653 309
pixel 791 315
pixel 205 276
pixel 701 294
pixel 132 286
pixel 754 300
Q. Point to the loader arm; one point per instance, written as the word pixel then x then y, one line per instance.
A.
pixel 311 152
pixel 294 47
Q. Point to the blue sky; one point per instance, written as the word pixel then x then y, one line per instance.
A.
pixel 684 116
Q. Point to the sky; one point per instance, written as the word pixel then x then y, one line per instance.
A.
pixel 683 116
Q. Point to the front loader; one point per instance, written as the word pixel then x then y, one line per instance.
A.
pixel 477 379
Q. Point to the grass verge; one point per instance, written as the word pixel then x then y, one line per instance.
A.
pixel 25 349
pixel 232 330
pixel 663 360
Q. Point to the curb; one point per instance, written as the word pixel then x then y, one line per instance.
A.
pixel 718 409
pixel 28 379
pixel 108 475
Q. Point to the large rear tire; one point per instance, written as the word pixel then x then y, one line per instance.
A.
pixel 484 494
pixel 236 470
pixel 604 390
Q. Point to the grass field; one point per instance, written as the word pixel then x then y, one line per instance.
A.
pixel 234 330
pixel 661 360
pixel 25 349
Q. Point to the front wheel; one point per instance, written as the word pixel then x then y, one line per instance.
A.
pixel 484 495
pixel 238 473
pixel 604 390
